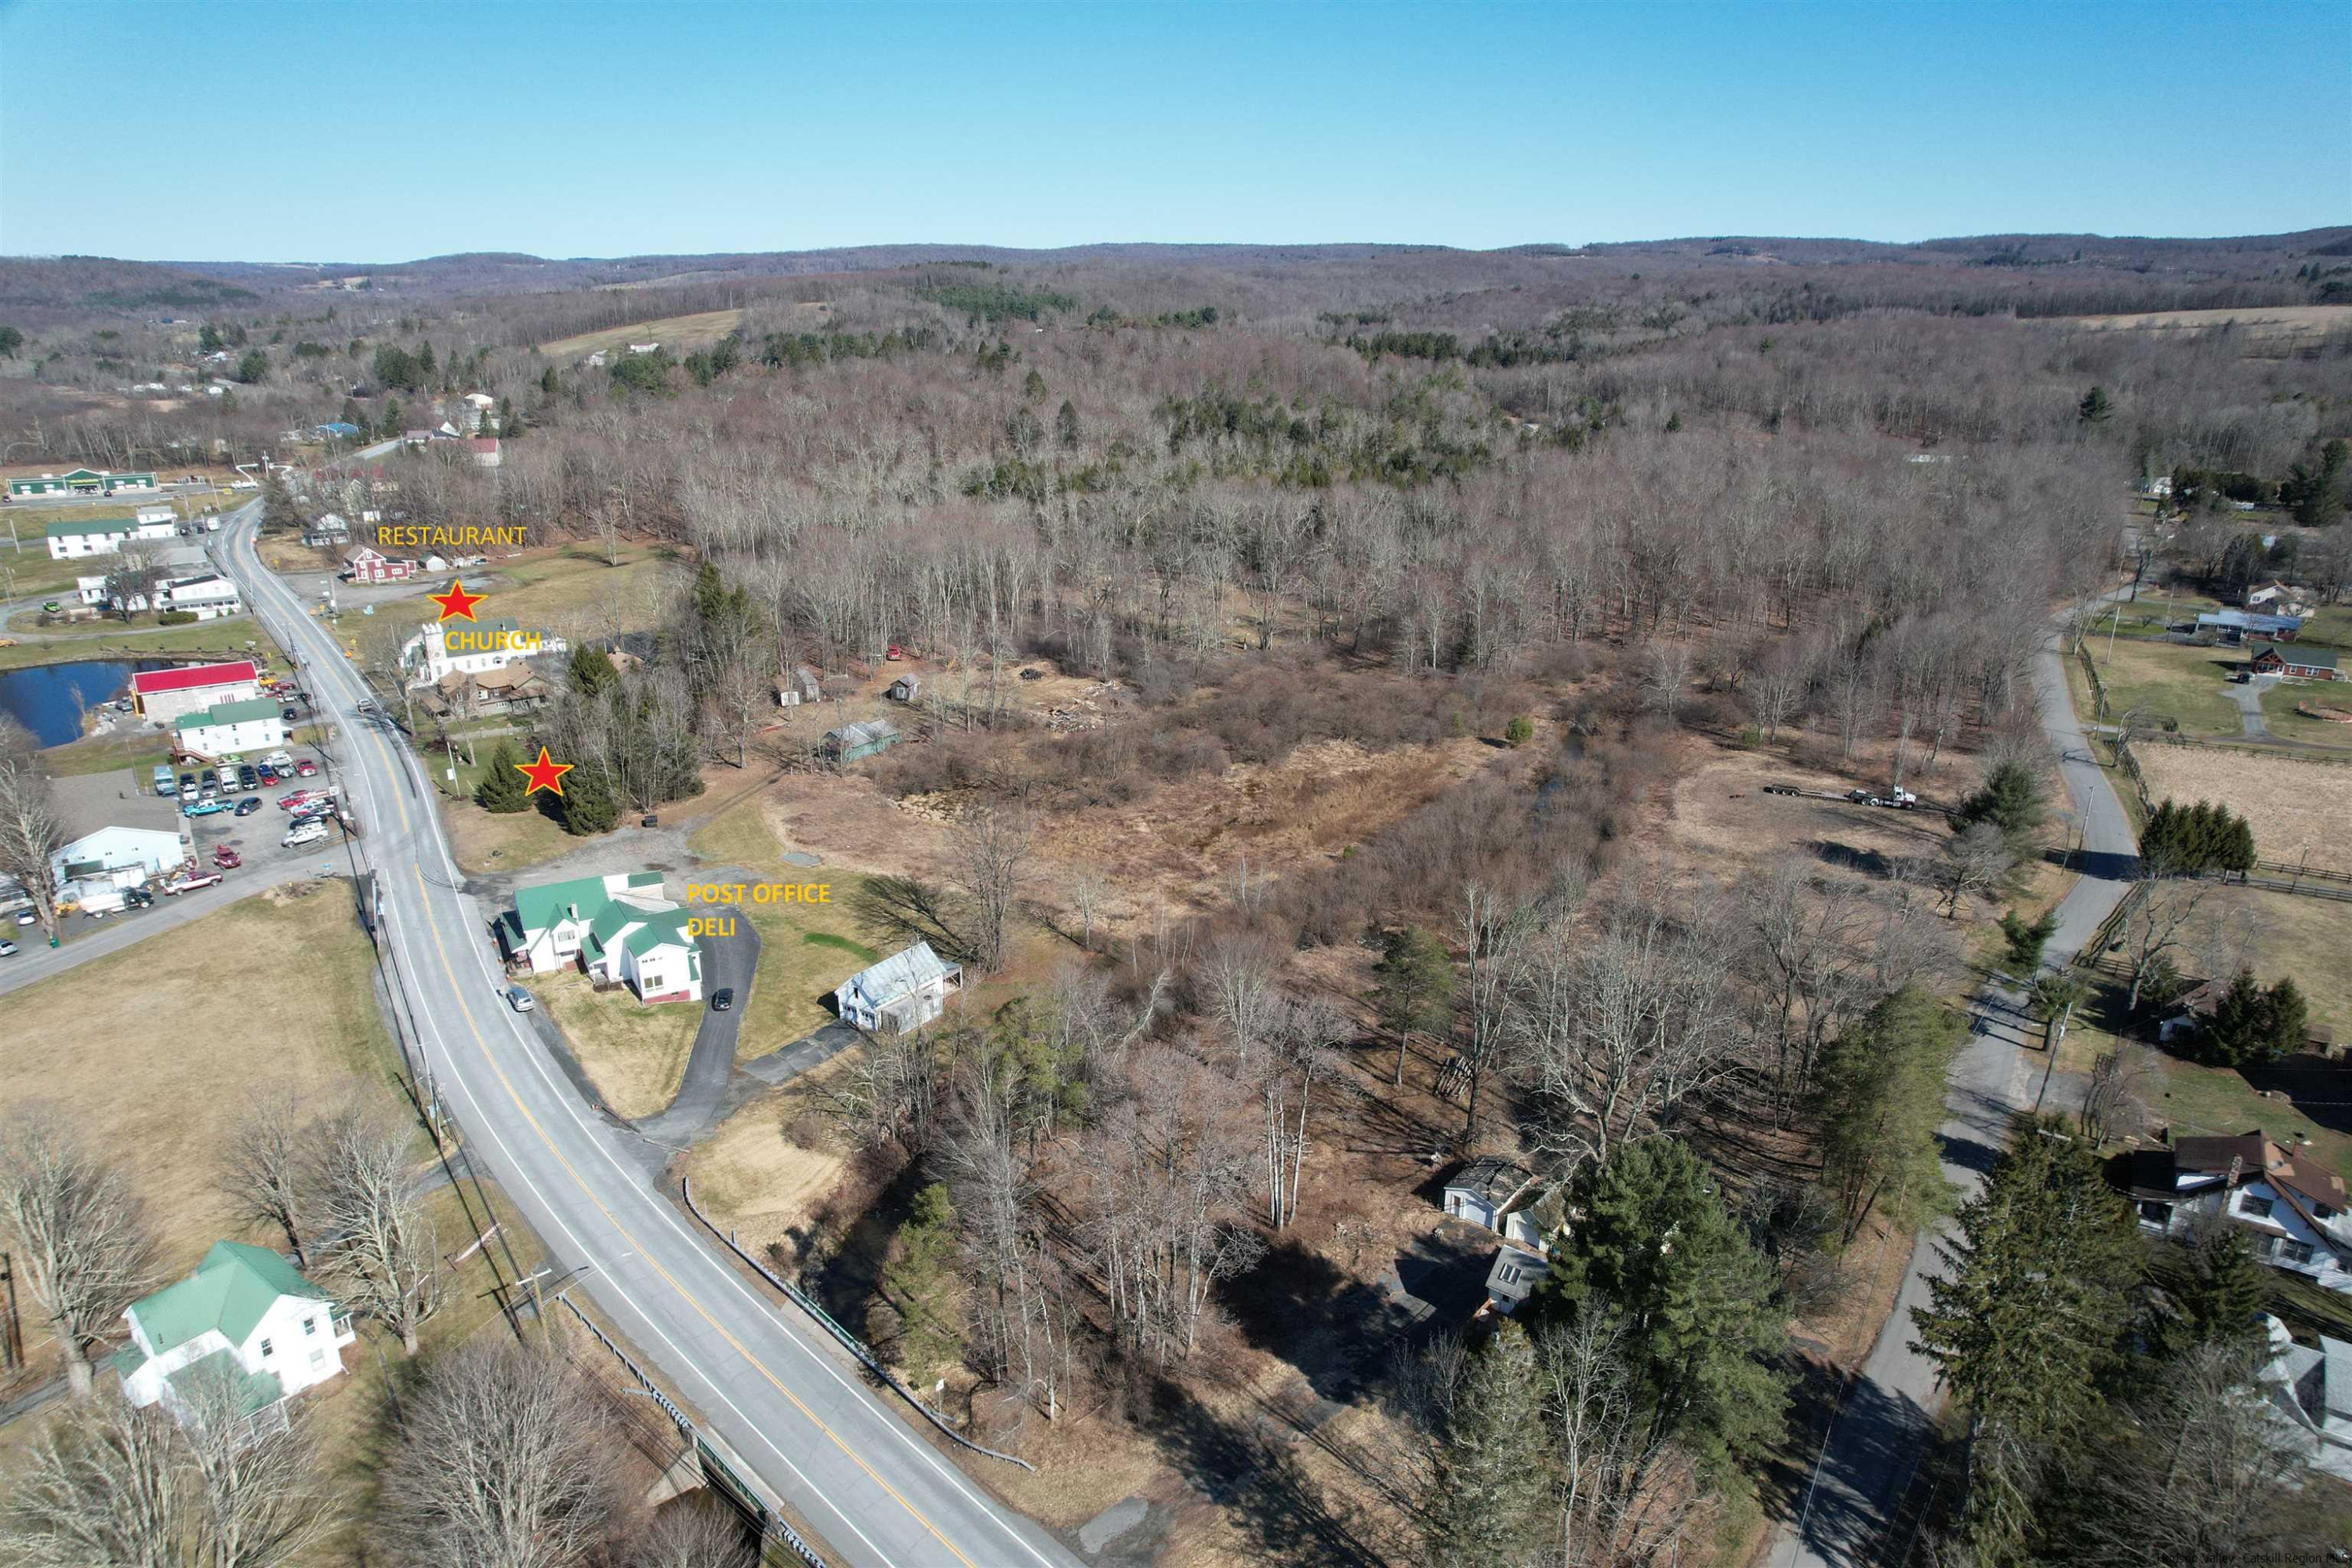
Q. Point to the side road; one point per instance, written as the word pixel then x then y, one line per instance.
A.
pixel 1877 1438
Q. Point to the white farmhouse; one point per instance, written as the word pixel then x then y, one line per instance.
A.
pixel 231 729
pixel 618 929
pixel 245 1317
pixel 905 991
pixel 70 539
pixel 208 597
pixel 2293 1212
pixel 463 648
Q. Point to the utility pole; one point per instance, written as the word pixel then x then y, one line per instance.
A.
pixel 12 1336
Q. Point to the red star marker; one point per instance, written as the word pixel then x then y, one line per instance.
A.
pixel 544 774
pixel 456 605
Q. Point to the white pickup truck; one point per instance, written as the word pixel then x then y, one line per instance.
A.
pixel 305 833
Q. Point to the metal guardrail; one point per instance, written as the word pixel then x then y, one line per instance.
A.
pixel 772 1526
pixel 849 1342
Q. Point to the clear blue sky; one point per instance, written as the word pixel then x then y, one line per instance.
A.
pixel 387 131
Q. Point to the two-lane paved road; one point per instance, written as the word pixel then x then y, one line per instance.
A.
pixel 876 1491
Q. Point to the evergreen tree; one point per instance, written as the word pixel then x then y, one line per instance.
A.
pixel 2193 840
pixel 2011 800
pixel 1066 425
pixel 2027 939
pixel 391 426
pixel 1489 1494
pixel 1416 988
pixel 1656 1242
pixel 13 338
pixel 591 670
pixel 2097 407
pixel 2251 1026
pixel 1033 386
pixel 2317 495
pixel 1883 1099
pixel 587 806
pixel 547 383
pixel 503 790
pixel 923 1285
pixel 425 365
pixel 2030 1319
pixel 252 368
pixel 2218 1301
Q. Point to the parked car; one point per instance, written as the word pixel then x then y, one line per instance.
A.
pixel 247 777
pixel 305 833
pixel 226 858
pixel 721 1000
pixel 248 805
pixel 282 761
pixel 209 777
pixel 519 999
pixel 8 948
pixel 203 808
pixel 290 715
pixel 266 774
pixel 139 898
pixel 306 768
pixel 289 801
pixel 27 916
pixel 191 882
pixel 187 784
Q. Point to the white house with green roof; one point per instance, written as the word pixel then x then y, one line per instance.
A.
pixel 620 930
pixel 246 1315
pixel 229 729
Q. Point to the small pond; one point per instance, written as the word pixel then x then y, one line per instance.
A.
pixel 50 698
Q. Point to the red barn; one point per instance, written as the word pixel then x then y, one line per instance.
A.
pixel 164 695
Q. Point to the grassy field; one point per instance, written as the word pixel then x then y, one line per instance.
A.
pixel 676 333
pixel 2170 681
pixel 2296 808
pixel 568 592
pixel 236 638
pixel 137 750
pixel 805 950
pixel 155 1052
pixel 634 1053
pixel 2279 713
pixel 765 1168
pixel 2264 323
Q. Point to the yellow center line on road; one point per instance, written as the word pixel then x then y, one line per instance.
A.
pixel 457 992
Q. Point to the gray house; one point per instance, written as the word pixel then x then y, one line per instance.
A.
pixel 1482 1190
pixel 852 741
pixel 905 991
pixel 906 689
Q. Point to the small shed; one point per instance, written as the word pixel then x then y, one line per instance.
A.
pixel 851 742
pixel 796 686
pixel 1482 1190
pixel 906 689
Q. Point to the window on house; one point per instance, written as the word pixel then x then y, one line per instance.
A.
pixel 310 1325
pixel 2254 1207
pixel 2294 1252
pixel 2156 1214
pixel 265 1350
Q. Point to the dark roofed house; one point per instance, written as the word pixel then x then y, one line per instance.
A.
pixel 2292 1209
pixel 2298 662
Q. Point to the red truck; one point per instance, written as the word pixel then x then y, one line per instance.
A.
pixel 190 883
pixel 226 858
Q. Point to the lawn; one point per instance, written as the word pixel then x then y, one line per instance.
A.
pixel 111 640
pixel 33 571
pixel 139 750
pixel 636 1055
pixel 568 592
pixel 676 333
pixel 2170 681
pixel 764 1170
pixel 155 1052
pixel 2199 1101
pixel 805 949
pixel 2279 713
